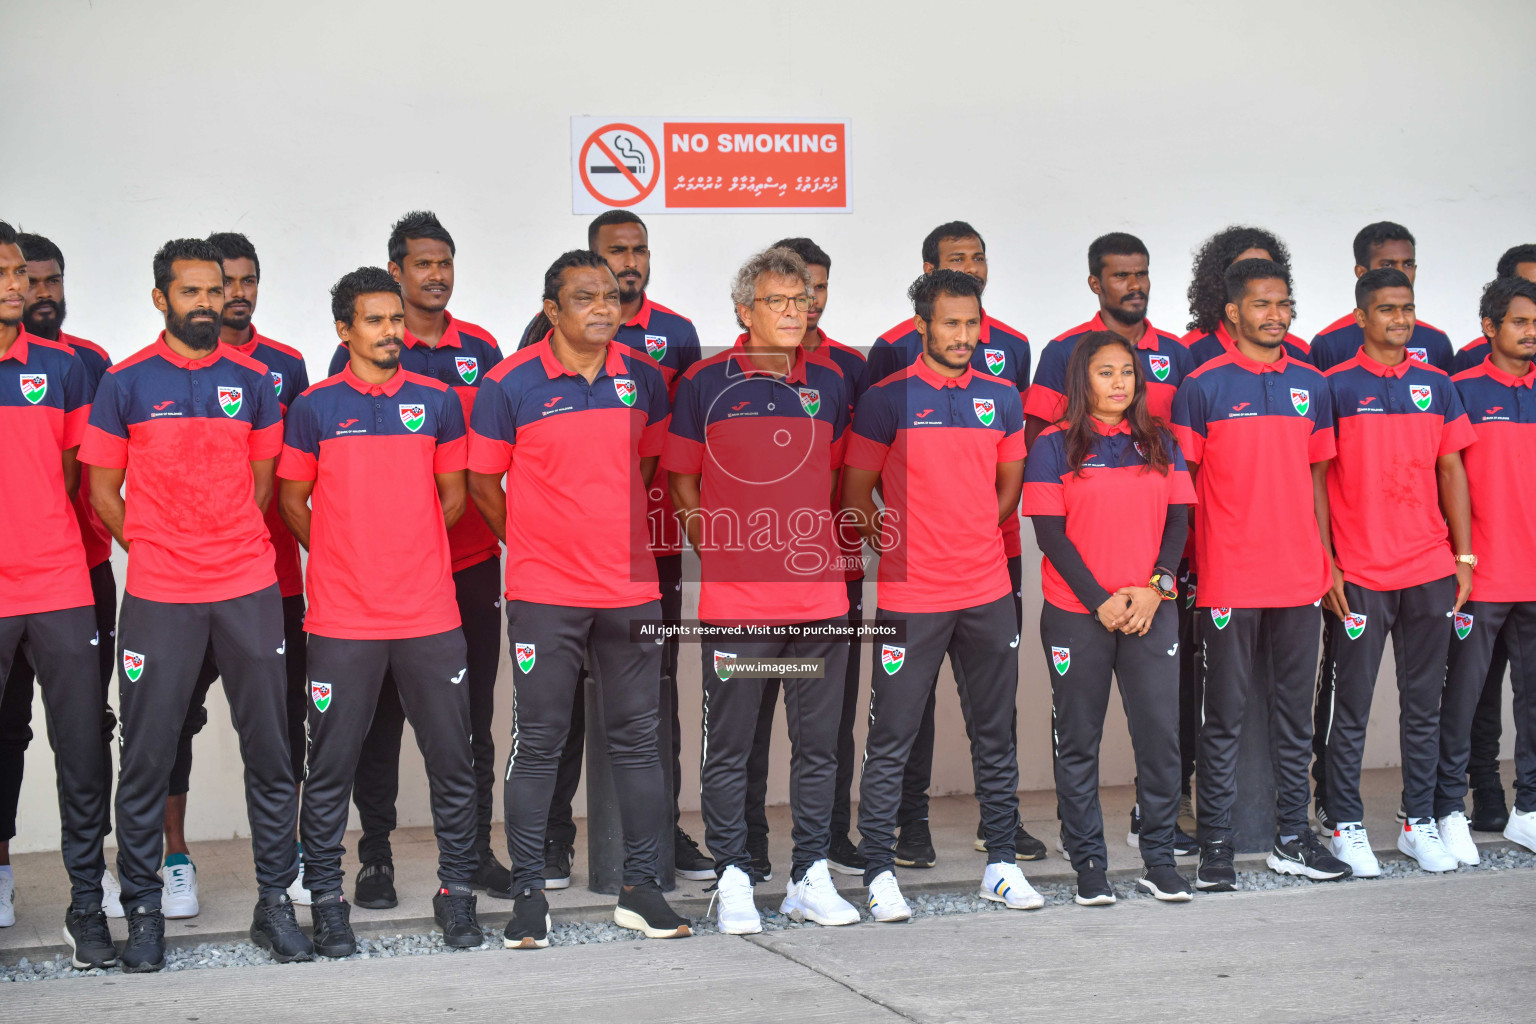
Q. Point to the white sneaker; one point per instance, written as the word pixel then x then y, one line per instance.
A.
pixel 1522 828
pixel 1351 845
pixel 297 894
pixel 7 900
pixel 111 894
pixel 737 914
pixel 1420 839
pixel 178 896
pixel 1005 884
pixel 815 898
pixel 886 901
pixel 1456 834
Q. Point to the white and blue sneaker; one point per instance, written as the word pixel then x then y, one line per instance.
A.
pixel 298 895
pixel 178 894
pixel 1005 884
pixel 815 898
pixel 886 903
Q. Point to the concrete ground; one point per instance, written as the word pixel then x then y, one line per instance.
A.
pixel 227 891
pixel 1451 948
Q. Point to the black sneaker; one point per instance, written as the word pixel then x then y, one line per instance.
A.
pixel 558 858
pixel 845 858
pixel 914 846
pixel 688 861
pixel 1216 872
pixel 1025 846
pixel 145 949
pixel 759 866
pixel 375 889
pixel 86 932
pixel 1324 819
pixel 528 928
pixel 1183 844
pixel 1093 888
pixel 1165 883
pixel 275 930
pixel 644 909
pixel 492 877
pixel 331 917
pixel 1306 856
pixel 1489 811
pixel 453 908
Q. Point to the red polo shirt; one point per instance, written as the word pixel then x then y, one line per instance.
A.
pixel 1501 474
pixel 1165 362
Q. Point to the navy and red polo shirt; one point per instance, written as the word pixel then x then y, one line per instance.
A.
pixel 936 442
pixel 93 532
pixel 44 404
pixel 1165 362
pixel 1502 412
pixel 1393 422
pixel 1340 340
pixel 1116 508
pixel 766 448
pixel 1254 430
pixel 1471 354
pixel 1207 345
pixel 290 379
pixel 461 359
pixel 571 450
pixel 372 450
pixel 187 430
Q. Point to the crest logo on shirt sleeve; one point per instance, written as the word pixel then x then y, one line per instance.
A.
pixel 810 401
pixel 230 400
pixel 413 415
pixel 656 346
pixel 997 359
pixel 526 654
pixel 1421 395
pixel 320 693
pixel 34 386
pixel 986 410
pixel 1160 366
pixel 1463 623
pixel 468 367
pixel 892 658
pixel 1419 355
pixel 1301 398
pixel 625 388
pixel 277 383
pixel 1354 625
pixel 1061 659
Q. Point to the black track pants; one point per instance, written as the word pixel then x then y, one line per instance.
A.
pixel 1485 625
pixel 1488 723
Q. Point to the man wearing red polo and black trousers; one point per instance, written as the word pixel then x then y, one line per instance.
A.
pixel 459 354
pixel 576 423
pixel 1396 490
pixel 1002 352
pixel 1501 405
pixel 1255 426
pixel 375 436
pixel 45 589
pixel 192 425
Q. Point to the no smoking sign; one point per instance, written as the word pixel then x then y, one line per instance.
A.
pixel 619 165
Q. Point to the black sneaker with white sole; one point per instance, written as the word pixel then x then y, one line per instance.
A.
pixel 1216 873
pixel 145 949
pixel 688 861
pixel 332 934
pixel 274 929
pixel 453 910
pixel 1025 846
pixel 1489 811
pixel 86 932
pixel 1183 844
pixel 1306 856
pixel 375 889
pixel 914 846
pixel 758 864
pixel 528 928
pixel 558 858
pixel 1093 888
pixel 644 909
pixel 845 858
pixel 1165 883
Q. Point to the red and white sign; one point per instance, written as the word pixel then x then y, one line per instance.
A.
pixel 709 165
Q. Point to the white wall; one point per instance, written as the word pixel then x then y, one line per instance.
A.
pixel 311 126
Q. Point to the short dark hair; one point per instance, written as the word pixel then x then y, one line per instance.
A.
pixel 183 250
pixel 927 289
pixel 1207 292
pixel 362 281
pixel 234 246
pixel 37 249
pixel 1511 259
pixel 608 217
pixel 8 235
pixel 944 232
pixel 1499 293
pixel 1373 281
pixel 813 254
pixel 1239 274
pixel 417 224
pixel 569 260
pixel 1116 243
pixel 1379 233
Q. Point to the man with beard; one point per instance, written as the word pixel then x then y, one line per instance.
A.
pixel 43 318
pixel 242 277
pixel 460 354
pixel 197 428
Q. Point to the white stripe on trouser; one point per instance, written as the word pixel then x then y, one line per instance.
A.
pixel 704 745
pixel 512 754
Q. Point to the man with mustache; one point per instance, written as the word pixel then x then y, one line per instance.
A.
pixel 197 428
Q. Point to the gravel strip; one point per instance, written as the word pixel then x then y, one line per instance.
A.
pixel 245 954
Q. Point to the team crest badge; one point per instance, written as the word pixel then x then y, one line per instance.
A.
pixel 1301 398
pixel 468 367
pixel 1189 595
pixel 892 658
pixel 1220 617
pixel 1061 659
pixel 986 410
pixel 277 383
pixel 1463 623
pixel 1160 366
pixel 526 655
pixel 625 389
pixel 413 416
pixel 656 346
pixel 1354 625
pixel 133 665
pixel 34 386
pixel 320 693
pixel 1419 355
pixel 723 660
pixel 1421 395
pixel 996 360
pixel 230 400
pixel 1141 449
pixel 810 401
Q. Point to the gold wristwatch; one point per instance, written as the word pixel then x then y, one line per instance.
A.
pixel 1467 560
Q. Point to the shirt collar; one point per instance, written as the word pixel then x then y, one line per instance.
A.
pixel 164 352
pixel 613 365
pixel 1105 430
pixel 1251 365
pixel 249 348
pixel 744 362
pixel 1382 369
pixel 1494 373
pixel 642 318
pixel 1148 335
pixel 931 376
pixel 450 338
pixel 18 349
pixel 390 387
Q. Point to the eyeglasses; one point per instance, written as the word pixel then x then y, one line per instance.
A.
pixel 779 303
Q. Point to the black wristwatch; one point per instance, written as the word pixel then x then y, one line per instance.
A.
pixel 1165 583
